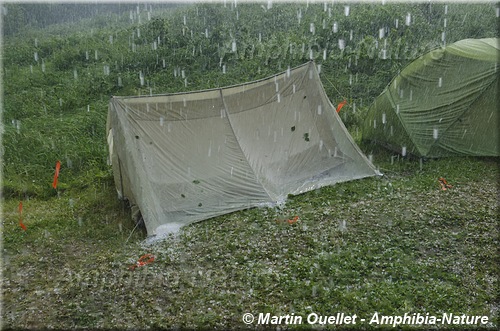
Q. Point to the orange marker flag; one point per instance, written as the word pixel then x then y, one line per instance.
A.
pixel 21 216
pixel 143 260
pixel 340 105
pixel 56 175
pixel 444 184
pixel 293 220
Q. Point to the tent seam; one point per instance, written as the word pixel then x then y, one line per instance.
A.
pixel 349 137
pixel 239 145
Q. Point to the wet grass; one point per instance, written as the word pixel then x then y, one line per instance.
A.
pixel 391 245
pixel 396 244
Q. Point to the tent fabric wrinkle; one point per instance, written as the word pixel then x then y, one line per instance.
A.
pixel 442 104
pixel 185 157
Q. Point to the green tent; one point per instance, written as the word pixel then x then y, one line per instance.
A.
pixel 442 104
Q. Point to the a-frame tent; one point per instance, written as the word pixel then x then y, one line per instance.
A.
pixel 185 157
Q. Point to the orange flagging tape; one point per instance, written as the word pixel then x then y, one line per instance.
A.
pixel 21 216
pixel 444 184
pixel 143 260
pixel 56 174
pixel 290 221
pixel 340 105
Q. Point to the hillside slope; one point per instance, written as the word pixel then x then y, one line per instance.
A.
pixel 393 245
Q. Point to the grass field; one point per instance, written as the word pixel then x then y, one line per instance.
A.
pixel 393 245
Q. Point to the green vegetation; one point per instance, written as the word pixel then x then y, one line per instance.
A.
pixel 57 84
pixel 393 244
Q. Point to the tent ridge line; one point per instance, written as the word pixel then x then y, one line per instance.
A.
pixel 211 89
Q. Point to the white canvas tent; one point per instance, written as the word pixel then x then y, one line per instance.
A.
pixel 181 158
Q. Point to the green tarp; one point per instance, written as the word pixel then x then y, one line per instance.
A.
pixel 444 103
